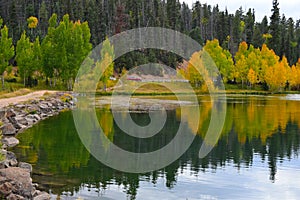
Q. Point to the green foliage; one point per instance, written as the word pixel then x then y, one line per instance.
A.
pixel 28 57
pixel 275 31
pixel 64 48
pixel 222 59
pixel 196 35
pixel 6 50
pixel 106 64
pixel 66 42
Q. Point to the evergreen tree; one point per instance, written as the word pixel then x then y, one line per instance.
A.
pixel 275 28
pixel 249 26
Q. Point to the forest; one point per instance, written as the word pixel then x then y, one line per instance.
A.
pixel 39 37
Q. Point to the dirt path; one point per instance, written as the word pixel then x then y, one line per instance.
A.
pixel 34 95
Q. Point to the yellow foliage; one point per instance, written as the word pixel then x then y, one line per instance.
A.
pixel 196 72
pixel 276 77
pixel 32 22
pixel 252 77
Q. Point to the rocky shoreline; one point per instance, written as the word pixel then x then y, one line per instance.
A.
pixel 15 177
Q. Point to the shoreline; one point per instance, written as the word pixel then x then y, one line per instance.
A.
pixel 22 112
pixel 16 115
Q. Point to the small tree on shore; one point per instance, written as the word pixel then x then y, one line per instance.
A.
pixel 6 50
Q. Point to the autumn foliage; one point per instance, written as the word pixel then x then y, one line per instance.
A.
pixel 249 67
pixel 32 22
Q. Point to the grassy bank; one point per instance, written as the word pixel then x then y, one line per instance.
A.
pixel 20 92
pixel 150 89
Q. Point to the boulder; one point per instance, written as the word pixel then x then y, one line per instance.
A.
pixel 19 179
pixel 32 109
pixel 6 188
pixel 8 129
pixel 4 164
pixel 50 104
pixel 43 115
pixel 20 106
pixel 21 120
pixel 42 196
pixel 43 107
pixel 25 166
pixel 10 141
pixel 10 113
pixel 14 122
pixel 30 120
pixel 10 155
pixel 5 120
pixel 23 128
pixel 3 179
pixel 14 197
pixel 37 117
pixel 13 162
pixel 2 114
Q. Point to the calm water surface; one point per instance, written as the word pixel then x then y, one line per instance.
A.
pixel 255 158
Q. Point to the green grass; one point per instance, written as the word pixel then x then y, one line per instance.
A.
pixel 20 92
pixel 148 89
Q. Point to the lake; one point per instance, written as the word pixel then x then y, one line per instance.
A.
pixel 256 157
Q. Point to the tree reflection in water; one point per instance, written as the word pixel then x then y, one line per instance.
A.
pixel 264 126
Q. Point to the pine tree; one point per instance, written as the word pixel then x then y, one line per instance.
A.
pixel 275 28
pixel 249 26
pixel 43 17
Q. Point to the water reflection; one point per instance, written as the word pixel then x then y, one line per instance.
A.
pixel 256 127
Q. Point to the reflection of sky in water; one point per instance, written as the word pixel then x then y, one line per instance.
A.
pixel 227 182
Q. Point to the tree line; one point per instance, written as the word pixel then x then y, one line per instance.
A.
pixel 202 21
pixel 57 56
pixel 252 67
pixel 29 20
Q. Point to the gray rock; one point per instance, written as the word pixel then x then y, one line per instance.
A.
pixel 13 163
pixel 21 120
pixel 10 113
pixel 4 164
pixel 23 129
pixel 42 196
pixel 43 115
pixel 20 106
pixel 5 120
pixel 10 155
pixel 43 107
pixel 3 179
pixel 14 122
pixel 25 166
pixel 30 116
pixel 14 197
pixel 2 113
pixel 20 179
pixel 10 141
pixel 60 108
pixel 50 104
pixel 30 120
pixel 35 193
pixel 32 109
pixel 6 188
pixel 8 129
pixel 37 117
